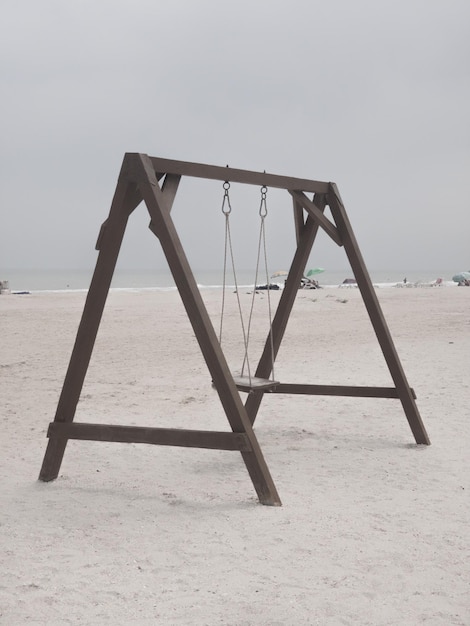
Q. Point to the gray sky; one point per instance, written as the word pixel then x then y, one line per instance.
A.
pixel 374 95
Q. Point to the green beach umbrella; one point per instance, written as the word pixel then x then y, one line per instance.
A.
pixel 314 271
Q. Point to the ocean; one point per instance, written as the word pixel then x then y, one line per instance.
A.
pixel 47 280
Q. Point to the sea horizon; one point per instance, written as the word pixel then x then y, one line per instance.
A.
pixel 46 279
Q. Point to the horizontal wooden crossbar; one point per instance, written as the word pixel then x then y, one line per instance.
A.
pixel 214 172
pixel 159 436
pixel 340 390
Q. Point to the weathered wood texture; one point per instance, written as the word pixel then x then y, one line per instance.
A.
pixel 125 201
pixel 338 390
pixel 158 436
pixel 213 172
pixel 376 316
pixel 203 328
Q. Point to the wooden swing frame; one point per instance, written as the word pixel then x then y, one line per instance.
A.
pixel 155 181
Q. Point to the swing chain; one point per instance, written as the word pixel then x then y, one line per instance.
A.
pixel 228 254
pixel 263 211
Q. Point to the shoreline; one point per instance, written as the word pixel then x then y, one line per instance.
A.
pixel 231 287
pixel 63 280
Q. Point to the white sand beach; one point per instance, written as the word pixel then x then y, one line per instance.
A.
pixel 373 530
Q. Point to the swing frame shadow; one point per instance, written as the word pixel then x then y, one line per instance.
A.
pixel 155 182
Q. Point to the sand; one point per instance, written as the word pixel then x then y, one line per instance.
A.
pixel 373 530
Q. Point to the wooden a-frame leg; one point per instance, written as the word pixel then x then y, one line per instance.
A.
pixel 376 316
pixel 125 200
pixel 163 227
pixel 306 237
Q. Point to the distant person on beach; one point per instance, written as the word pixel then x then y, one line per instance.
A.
pixel 404 281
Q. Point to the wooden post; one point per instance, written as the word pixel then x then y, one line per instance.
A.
pixel 203 328
pixel 376 316
pixel 125 200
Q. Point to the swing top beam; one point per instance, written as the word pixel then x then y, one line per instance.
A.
pixel 213 172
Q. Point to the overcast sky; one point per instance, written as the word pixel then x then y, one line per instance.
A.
pixel 374 95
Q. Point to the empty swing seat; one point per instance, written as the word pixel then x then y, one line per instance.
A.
pixel 253 383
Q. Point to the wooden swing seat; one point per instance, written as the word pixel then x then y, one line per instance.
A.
pixel 253 383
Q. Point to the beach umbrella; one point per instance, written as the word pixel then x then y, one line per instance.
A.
pixel 459 278
pixel 279 273
pixel 315 270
